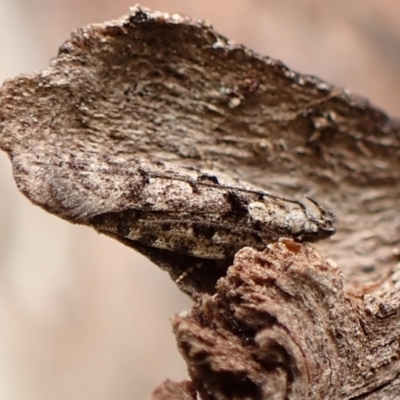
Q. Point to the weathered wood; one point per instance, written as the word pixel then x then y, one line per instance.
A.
pixel 284 323
pixel 281 326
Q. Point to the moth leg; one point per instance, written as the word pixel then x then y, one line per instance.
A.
pixel 184 274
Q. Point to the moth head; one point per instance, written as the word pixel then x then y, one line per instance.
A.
pixel 324 222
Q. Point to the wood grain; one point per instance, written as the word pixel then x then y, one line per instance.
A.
pixel 283 323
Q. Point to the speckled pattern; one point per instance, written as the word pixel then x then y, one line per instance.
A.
pixel 128 89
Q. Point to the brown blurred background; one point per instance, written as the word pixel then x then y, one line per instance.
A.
pixel 81 316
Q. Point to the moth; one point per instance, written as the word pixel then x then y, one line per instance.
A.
pixel 179 209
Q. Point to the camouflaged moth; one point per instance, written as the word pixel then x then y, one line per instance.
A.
pixel 180 209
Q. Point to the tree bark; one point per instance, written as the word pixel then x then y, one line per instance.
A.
pixel 283 323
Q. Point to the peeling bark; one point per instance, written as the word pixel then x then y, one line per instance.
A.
pixel 280 323
pixel 281 326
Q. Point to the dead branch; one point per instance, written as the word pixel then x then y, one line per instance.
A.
pixel 282 323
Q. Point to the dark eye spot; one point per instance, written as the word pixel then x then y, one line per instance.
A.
pixel 238 204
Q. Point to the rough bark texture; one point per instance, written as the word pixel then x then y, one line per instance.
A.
pixel 280 324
